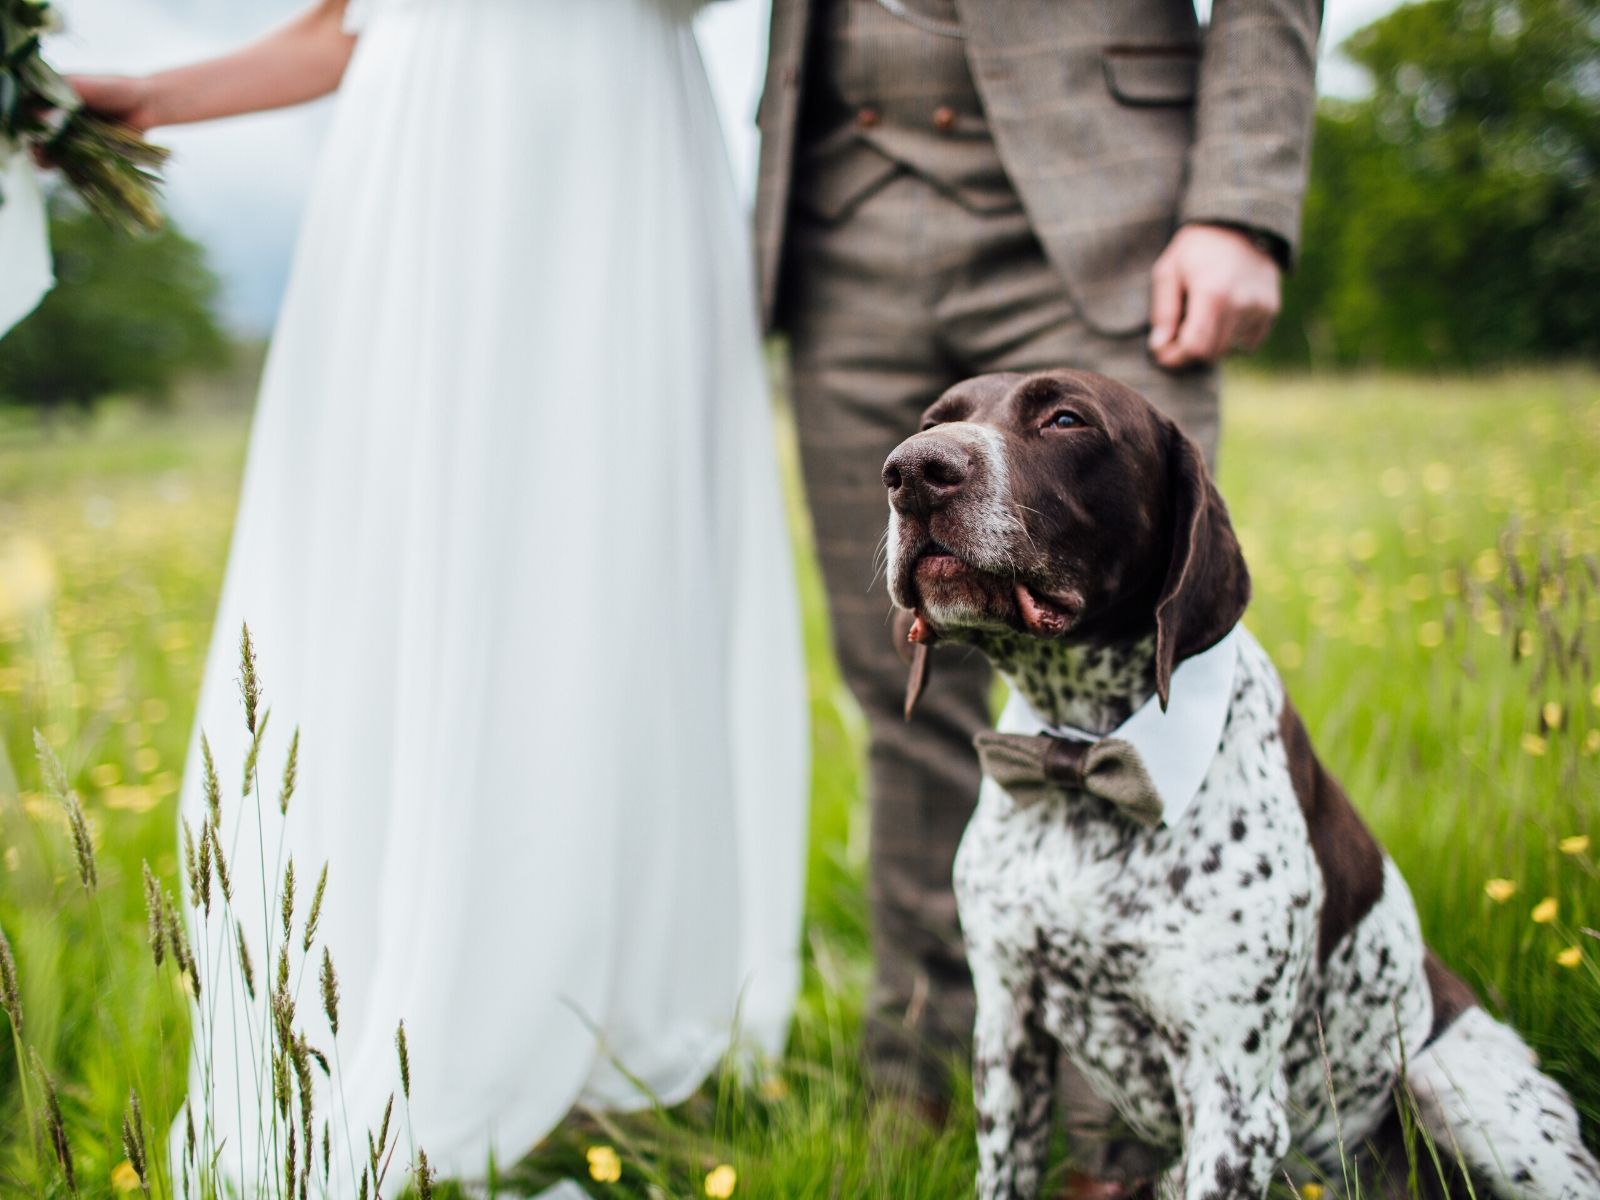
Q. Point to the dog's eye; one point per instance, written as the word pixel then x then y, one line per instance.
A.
pixel 1064 420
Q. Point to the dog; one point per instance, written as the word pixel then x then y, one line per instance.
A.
pixel 1161 880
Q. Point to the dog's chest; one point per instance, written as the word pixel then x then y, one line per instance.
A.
pixel 1142 941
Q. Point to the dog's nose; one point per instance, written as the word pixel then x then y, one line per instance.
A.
pixel 925 474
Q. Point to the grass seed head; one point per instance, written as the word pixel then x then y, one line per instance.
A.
pixel 212 785
pixel 178 942
pixel 316 910
pixel 289 1164
pixel 405 1059
pixel 383 1130
pixel 288 901
pixel 282 1001
pixel 154 928
pixel 82 842
pixel 246 967
pixel 300 1056
pixel 330 992
pixel 249 683
pixel 320 1059
pixel 133 1140
pixel 291 772
pixel 55 1126
pixel 280 1083
pixel 50 771
pixel 224 876
pixel 203 868
pixel 424 1176
pixel 10 988
pixel 191 861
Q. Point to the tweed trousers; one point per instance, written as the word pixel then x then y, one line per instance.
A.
pixel 886 306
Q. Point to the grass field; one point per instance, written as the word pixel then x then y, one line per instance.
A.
pixel 1425 558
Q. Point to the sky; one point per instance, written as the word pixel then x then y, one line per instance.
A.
pixel 238 185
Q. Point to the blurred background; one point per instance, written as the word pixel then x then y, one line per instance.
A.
pixel 1413 462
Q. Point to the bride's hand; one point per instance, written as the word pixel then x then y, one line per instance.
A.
pixel 128 99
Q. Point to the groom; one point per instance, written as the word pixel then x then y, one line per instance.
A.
pixel 951 187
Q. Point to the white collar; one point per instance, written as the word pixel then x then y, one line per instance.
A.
pixel 1176 746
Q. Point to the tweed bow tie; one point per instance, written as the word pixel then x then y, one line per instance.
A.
pixel 1031 766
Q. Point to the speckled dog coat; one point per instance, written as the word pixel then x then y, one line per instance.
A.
pixel 1244 978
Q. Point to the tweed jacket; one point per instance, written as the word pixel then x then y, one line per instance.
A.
pixel 1116 120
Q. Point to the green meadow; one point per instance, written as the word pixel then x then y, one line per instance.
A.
pixel 1426 557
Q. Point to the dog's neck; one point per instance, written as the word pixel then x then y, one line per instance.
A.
pixel 1094 686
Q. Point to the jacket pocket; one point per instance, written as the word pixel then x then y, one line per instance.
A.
pixel 1152 76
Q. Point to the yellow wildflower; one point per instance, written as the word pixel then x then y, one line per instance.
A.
pixel 106 775
pixel 1545 911
pixel 1525 643
pixel 604 1165
pixel 1552 713
pixel 1578 843
pixel 1311 1191
pixel 124 1178
pixel 721 1182
pixel 1570 957
pixel 1533 744
pixel 774 1087
pixel 1500 890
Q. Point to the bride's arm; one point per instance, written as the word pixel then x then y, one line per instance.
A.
pixel 301 60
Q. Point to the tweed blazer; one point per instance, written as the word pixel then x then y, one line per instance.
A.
pixel 1116 120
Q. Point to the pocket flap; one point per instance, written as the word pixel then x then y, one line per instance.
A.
pixel 1152 75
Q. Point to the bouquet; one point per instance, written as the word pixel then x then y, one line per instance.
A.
pixel 111 167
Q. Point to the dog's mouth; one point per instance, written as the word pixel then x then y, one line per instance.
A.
pixel 955 594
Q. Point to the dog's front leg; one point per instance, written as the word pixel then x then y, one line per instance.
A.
pixel 1013 1083
pixel 1236 1132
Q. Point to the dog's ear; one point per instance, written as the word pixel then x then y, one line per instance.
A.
pixel 1207 586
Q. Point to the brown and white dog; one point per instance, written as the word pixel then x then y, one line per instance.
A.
pixel 1170 888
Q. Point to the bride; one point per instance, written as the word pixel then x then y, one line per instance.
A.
pixel 512 550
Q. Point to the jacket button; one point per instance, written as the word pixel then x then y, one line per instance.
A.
pixel 944 118
pixel 867 116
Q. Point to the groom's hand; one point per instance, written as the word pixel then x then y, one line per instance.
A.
pixel 1213 290
pixel 127 99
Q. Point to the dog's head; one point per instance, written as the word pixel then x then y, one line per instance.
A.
pixel 1061 505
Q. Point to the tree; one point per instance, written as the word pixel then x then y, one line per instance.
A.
pixel 128 315
pixel 1453 216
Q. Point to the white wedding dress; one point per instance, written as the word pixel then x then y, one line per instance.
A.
pixel 512 548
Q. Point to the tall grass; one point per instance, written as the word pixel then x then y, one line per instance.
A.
pixel 1423 552
pixel 207 953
